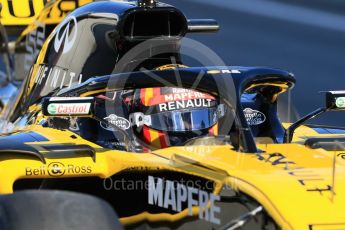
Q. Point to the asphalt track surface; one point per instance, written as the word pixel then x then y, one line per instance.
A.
pixel 307 40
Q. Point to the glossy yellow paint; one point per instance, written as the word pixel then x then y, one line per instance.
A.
pixel 20 12
pixel 293 183
pixel 283 87
pixel 25 12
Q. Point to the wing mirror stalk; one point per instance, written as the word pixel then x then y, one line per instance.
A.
pixel 335 101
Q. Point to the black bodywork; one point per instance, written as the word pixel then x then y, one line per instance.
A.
pixel 99 35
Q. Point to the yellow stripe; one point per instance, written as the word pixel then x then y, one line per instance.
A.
pixel 148 95
pixel 215 129
pixel 154 134
pixel 92 93
pixel 25 12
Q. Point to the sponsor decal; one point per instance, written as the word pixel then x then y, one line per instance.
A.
pixel 185 94
pixel 173 94
pixel 169 194
pixel 341 155
pixel 25 12
pixel 69 109
pixel 57 169
pixel 51 109
pixel 66 35
pixel 119 122
pixel 254 117
pixel 223 71
pixel 54 77
pixel 20 14
pixel 199 149
pixel 340 102
pixel 176 105
pixel 306 177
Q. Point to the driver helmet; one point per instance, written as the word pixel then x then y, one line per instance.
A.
pixel 168 116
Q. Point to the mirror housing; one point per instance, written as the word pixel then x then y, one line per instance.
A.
pixel 202 26
pixel 335 100
pixel 68 106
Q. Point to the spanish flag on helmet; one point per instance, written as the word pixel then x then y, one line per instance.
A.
pixel 169 116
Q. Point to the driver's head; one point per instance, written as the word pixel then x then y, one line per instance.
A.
pixel 163 117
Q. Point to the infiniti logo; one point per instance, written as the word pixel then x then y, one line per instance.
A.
pixel 66 39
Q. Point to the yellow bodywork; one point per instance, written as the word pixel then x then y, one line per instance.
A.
pixel 297 186
pixel 25 12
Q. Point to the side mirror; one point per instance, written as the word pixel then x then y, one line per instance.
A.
pixel 335 100
pixel 202 26
pixel 68 106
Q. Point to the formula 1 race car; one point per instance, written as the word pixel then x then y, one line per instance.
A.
pixel 113 129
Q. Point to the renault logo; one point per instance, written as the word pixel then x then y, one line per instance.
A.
pixel 64 38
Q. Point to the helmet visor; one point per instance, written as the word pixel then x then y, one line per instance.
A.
pixel 180 120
